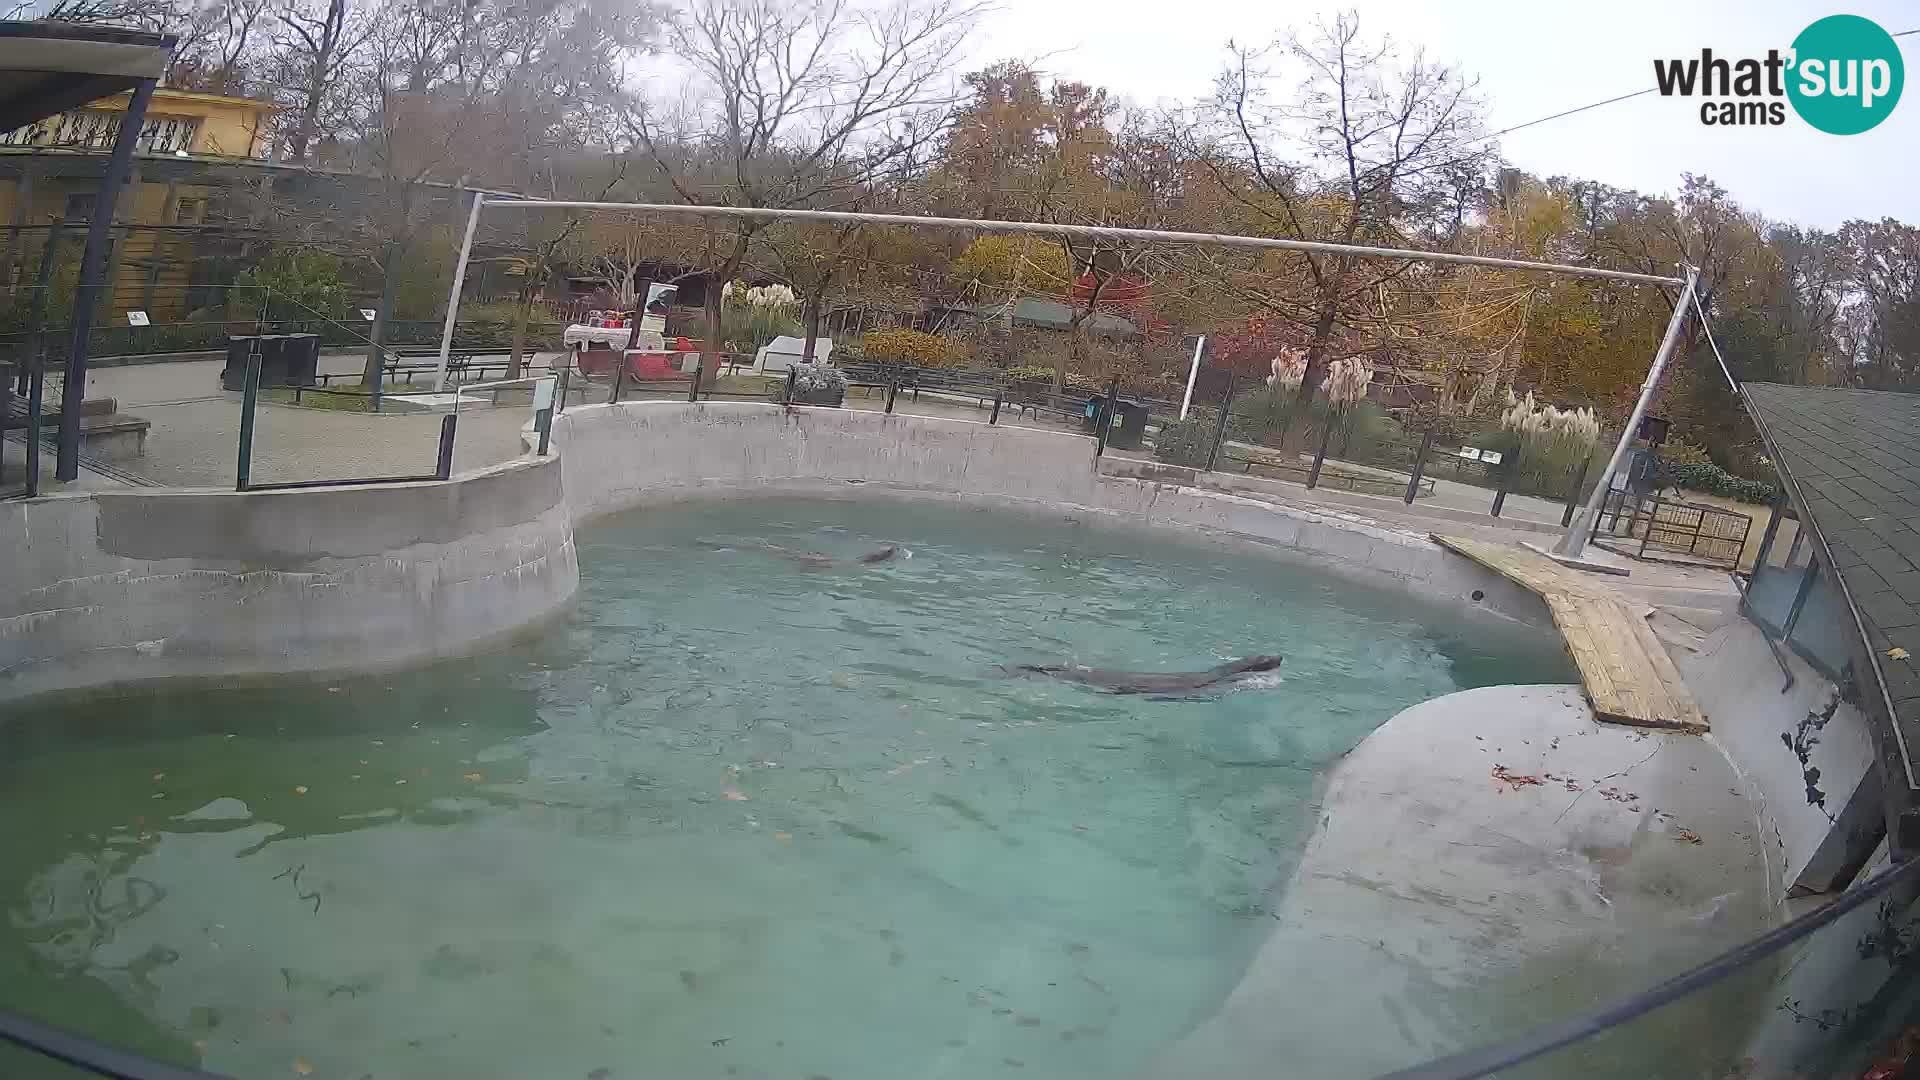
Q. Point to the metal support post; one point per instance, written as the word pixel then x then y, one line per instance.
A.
pixel 1510 466
pixel 998 393
pixel 249 399
pixel 1220 429
pixel 1573 496
pixel 92 264
pixel 453 296
pixel 1103 417
pixel 36 391
pixel 693 391
pixel 893 390
pixel 443 465
pixel 1575 542
pixel 1419 467
pixel 1193 373
pixel 619 380
pixel 1320 455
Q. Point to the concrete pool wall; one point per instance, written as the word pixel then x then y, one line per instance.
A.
pixel 633 454
pixel 127 586
pixel 107 588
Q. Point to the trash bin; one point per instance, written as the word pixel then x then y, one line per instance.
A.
pixel 1126 422
pixel 1128 426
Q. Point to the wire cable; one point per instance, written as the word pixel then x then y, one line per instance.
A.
pixel 1486 1061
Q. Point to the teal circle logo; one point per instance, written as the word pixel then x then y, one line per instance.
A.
pixel 1846 75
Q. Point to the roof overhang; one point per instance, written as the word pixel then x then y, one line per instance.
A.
pixel 47 68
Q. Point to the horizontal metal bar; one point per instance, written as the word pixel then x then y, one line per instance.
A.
pixel 428 478
pixel 1053 229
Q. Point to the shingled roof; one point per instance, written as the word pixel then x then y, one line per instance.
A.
pixel 1851 460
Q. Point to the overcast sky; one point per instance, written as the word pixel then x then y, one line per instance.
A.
pixel 1533 59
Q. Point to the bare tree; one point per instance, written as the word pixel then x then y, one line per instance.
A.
pixel 1366 141
pixel 797 104
pixel 315 46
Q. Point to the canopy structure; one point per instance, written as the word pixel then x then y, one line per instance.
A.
pixel 47 68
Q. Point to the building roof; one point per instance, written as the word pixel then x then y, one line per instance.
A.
pixel 48 67
pixel 1851 460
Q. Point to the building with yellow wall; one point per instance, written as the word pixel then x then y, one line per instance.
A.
pixel 50 172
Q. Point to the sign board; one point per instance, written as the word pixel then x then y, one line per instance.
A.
pixel 368 313
pixel 543 394
pixel 137 318
pixel 1468 453
pixel 659 302
pixel 1491 457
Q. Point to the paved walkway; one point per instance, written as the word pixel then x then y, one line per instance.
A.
pixel 195 438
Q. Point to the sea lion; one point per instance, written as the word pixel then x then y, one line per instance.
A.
pixel 1149 682
pixel 809 558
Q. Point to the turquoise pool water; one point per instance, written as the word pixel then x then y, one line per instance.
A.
pixel 739 815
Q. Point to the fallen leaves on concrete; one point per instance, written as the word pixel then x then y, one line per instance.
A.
pixel 1515 780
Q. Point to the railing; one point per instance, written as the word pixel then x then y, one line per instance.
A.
pixel 1703 533
pixel 249 408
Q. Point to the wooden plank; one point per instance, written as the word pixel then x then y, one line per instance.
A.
pixel 1625 670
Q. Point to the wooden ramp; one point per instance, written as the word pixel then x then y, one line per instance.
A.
pixel 1629 677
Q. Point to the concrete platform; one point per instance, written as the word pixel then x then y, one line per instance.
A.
pixel 1486 862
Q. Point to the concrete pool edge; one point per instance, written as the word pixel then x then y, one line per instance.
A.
pixel 121 588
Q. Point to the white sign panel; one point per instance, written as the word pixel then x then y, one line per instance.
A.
pixel 368 313
pixel 1491 457
pixel 543 394
pixel 1468 453
pixel 137 318
pixel 659 301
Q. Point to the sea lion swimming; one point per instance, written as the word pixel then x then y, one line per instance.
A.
pixel 812 558
pixel 1150 682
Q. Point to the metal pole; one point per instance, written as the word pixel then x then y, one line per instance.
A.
pixel 619 380
pixel 1512 463
pixel 1573 495
pixel 893 389
pixel 36 389
pixel 1575 542
pixel 249 398
pixel 1103 417
pixel 1044 228
pixel 92 263
pixel 998 393
pixel 443 466
pixel 693 391
pixel 1193 372
pixel 1320 455
pixel 1419 467
pixel 792 377
pixel 453 295
pixel 1220 429
pixel 563 388
pixel 543 423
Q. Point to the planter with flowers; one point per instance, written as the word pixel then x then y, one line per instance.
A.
pixel 815 384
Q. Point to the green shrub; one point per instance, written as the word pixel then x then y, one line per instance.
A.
pixel 1711 479
pixel 1186 442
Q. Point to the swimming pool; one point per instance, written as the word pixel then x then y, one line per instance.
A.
pixel 743 813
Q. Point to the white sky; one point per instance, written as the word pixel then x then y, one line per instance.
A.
pixel 1534 58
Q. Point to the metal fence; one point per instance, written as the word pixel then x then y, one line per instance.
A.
pixel 1698 532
